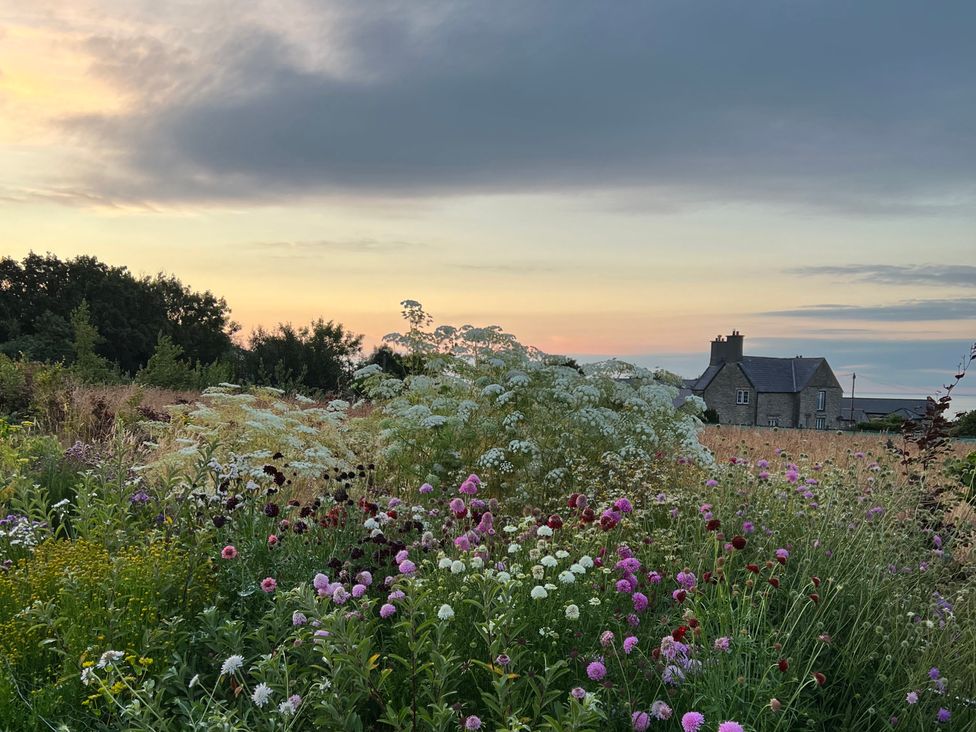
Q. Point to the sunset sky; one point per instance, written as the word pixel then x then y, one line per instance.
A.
pixel 627 178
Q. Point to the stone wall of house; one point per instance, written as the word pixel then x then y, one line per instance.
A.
pixel 823 380
pixel 720 396
pixel 778 406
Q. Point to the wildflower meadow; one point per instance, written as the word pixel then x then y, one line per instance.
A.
pixel 499 540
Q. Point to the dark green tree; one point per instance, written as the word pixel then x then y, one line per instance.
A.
pixel 316 357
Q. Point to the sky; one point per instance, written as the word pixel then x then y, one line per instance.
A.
pixel 626 179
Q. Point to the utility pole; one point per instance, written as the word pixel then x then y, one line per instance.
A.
pixel 853 381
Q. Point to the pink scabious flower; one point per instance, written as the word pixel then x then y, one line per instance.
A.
pixel 623 586
pixel 730 726
pixel 320 581
pixel 640 721
pixel 748 527
pixel 457 507
pixel 426 488
pixel 487 523
pixel 269 584
pixel 298 618
pixel 407 567
pixel 578 692
pixel 623 505
pixel 272 539
pixel 912 697
pixel 358 590
pixel 630 642
pixel 469 488
pixel 630 565
pixel 722 644
pixel 395 595
pixel 228 552
pixel 462 543
pixel 340 595
pixel 792 475
pixel 401 556
pixel 686 579
pixel 781 555
pixel 654 577
pixel 606 638
pixel 596 671
pixel 472 722
pixel 364 578
pixel 711 482
pixel 661 710
pixel 692 721
pixel 387 610
pixel 640 601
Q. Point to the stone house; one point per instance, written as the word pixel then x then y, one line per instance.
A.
pixel 769 392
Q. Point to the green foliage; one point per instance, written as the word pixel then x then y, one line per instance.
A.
pixel 315 357
pixel 39 294
pixel 14 391
pixel 891 423
pixel 166 369
pixel 89 366
pixel 965 425
pixel 710 416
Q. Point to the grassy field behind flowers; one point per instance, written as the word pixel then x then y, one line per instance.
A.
pixel 504 542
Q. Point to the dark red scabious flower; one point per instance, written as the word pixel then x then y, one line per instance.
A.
pixel 774 581
pixel 713 525
pixel 815 580
pixel 707 577
pixel 680 595
pixel 679 633
pixel 571 502
pixel 588 516
pixel 391 513
pixel 739 542
pixel 555 521
pixel 783 665
pixel 754 568
pixel 814 596
pixel 820 678
pixel 271 509
pixel 692 622
pixel 656 654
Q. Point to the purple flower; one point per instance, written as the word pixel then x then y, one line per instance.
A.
pixel 340 595
pixel 630 642
pixel 623 586
pixel 407 567
pixel 640 721
pixel 364 578
pixel 748 527
pixel 462 543
pixel 358 590
pixel 578 692
pixel 320 582
pixel 298 618
pixel 401 556
pixel 911 697
pixel 606 638
pixel 630 565
pixel 623 505
pixel 139 497
pixel 395 595
pixel 596 671
pixel 472 722
pixel 469 488
pixel 730 726
pixel 943 715
pixel 722 644
pixel 387 610
pixel 692 721
pixel 426 488
pixel 654 577
pixel 711 482
pixel 640 601
pixel 934 673
pixel 686 579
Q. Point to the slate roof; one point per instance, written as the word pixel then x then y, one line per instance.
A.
pixel 767 374
pixel 866 406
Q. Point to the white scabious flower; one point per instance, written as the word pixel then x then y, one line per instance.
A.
pixel 549 561
pixel 586 561
pixel 510 529
pixel 88 675
pixel 504 577
pixel 562 554
pixel 286 708
pixel 514 548
pixel 261 694
pixel 567 577
pixel 110 657
pixel 445 612
pixel 232 665
pixel 595 601
pixel 572 612
pixel 539 593
pixel 477 562
pixel 444 563
pixel 538 571
pixel 193 681
pixel 457 566
pixel 577 568
pixel 370 524
pixel 543 531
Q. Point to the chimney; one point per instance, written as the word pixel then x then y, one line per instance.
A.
pixel 727 348
pixel 733 350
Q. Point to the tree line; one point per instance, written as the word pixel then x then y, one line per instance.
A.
pixel 110 326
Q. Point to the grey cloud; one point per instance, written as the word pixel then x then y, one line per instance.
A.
pixel 862 107
pixel 958 275
pixel 908 310
pixel 316 248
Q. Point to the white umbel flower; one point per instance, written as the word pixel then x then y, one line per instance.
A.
pixel 572 612
pixel 539 593
pixel 446 612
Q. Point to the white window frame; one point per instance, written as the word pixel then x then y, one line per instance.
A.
pixel 822 400
pixel 741 397
pixel 821 423
pixel 772 422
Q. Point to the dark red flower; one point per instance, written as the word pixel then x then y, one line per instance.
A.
pixel 588 515
pixel 783 665
pixel 754 568
pixel 814 596
pixel 555 521
pixel 571 503
pixel 774 581
pixel 706 577
pixel 739 542
pixel 692 622
pixel 713 525
pixel 679 633
pixel 815 580
pixel 820 678
pixel 680 595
